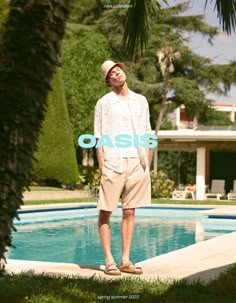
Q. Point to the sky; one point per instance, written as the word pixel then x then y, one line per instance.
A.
pixel 223 49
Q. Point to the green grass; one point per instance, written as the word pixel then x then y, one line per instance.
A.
pixel 37 202
pixel 194 202
pixel 45 188
pixel 154 201
pixel 43 289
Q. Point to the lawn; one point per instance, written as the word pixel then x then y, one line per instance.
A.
pixel 45 188
pixel 43 289
pixel 154 201
pixel 72 200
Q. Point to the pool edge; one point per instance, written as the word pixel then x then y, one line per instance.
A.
pixel 162 267
pixel 202 261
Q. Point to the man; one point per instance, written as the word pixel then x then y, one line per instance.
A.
pixel 125 171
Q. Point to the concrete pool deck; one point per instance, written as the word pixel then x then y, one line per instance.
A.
pixel 204 260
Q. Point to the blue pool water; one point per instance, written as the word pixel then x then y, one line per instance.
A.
pixel 71 235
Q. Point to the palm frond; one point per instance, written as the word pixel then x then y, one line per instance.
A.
pixel 226 12
pixel 136 28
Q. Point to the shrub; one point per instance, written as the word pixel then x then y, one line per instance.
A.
pixel 56 160
pixel 83 51
pixel 162 186
pixel 89 175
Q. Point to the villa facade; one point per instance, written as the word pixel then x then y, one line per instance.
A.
pixel 182 120
pixel 215 147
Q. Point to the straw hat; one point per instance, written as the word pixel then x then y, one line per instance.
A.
pixel 108 65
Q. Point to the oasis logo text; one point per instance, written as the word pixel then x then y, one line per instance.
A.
pixel 120 141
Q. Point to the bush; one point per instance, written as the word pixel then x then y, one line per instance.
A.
pixel 83 51
pixel 4 8
pixel 56 161
pixel 89 175
pixel 162 186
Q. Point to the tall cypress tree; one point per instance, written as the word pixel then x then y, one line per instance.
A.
pixel 56 160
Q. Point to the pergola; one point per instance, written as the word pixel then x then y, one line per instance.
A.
pixel 198 140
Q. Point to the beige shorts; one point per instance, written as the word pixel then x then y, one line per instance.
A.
pixel 133 185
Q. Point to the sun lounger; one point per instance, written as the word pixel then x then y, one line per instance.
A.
pixel 217 190
pixel 232 194
pixel 189 191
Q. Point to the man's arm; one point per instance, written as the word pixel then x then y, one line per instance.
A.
pixel 97 133
pixel 100 156
pixel 149 131
pixel 148 156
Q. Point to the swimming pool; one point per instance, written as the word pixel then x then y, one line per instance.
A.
pixel 70 235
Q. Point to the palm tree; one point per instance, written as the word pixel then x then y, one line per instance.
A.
pixel 29 49
pixel 226 12
pixel 137 31
pixel 166 56
pixel 137 26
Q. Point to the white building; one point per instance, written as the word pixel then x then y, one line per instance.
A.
pixel 203 142
pixel 182 120
pixel 230 109
pixel 215 147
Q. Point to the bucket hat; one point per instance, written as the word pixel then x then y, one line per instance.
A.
pixel 108 65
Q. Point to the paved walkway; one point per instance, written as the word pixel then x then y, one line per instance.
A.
pixel 221 212
pixel 203 260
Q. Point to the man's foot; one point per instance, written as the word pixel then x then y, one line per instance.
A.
pixel 131 268
pixel 112 270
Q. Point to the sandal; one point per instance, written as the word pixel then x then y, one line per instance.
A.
pixel 112 270
pixel 131 268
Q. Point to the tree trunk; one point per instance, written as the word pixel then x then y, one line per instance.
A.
pixel 29 54
pixel 160 118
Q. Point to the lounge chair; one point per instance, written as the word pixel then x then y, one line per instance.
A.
pixel 232 194
pixel 188 191
pixel 217 190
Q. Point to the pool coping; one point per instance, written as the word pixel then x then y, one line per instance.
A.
pixel 202 261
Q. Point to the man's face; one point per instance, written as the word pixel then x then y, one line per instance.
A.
pixel 116 77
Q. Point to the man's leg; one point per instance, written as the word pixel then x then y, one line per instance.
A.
pixel 127 230
pixel 105 235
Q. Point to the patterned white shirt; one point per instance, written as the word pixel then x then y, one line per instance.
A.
pixel 107 120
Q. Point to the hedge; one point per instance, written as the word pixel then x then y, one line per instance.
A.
pixel 56 160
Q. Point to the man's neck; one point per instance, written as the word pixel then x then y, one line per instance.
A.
pixel 121 91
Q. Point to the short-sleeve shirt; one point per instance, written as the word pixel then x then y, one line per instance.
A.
pixel 107 120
